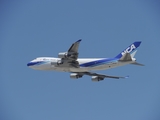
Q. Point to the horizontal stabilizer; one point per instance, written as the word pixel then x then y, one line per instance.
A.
pixel 137 64
pixel 126 57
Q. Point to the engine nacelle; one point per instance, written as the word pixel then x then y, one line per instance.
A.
pixel 75 76
pixel 70 55
pixel 63 55
pixel 96 78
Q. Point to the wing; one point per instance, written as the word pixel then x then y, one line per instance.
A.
pixel 103 76
pixel 74 47
pixel 70 57
pixel 95 76
pixel 73 50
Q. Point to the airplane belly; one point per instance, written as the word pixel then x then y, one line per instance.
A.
pixel 104 67
pixel 109 66
pixel 69 69
pixel 86 69
pixel 81 69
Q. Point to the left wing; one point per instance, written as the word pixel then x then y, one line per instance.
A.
pixel 74 47
pixel 70 57
pixel 95 76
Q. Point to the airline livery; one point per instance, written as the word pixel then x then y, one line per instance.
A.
pixel 69 62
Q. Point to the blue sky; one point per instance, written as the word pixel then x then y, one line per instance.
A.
pixel 30 29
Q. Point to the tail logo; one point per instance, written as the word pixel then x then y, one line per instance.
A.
pixel 129 49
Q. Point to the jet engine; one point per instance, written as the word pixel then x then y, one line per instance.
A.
pixel 58 62
pixel 75 76
pixel 96 78
pixel 63 55
pixel 70 55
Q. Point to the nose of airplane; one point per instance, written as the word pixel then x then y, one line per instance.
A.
pixel 32 63
pixel 29 64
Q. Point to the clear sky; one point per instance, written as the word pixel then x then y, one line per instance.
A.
pixel 34 28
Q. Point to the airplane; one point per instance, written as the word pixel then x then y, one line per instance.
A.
pixel 78 67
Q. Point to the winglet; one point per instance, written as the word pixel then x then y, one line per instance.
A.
pixel 127 76
pixel 79 40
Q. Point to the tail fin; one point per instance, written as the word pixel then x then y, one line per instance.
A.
pixel 132 49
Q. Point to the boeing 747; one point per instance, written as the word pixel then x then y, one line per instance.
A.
pixel 78 67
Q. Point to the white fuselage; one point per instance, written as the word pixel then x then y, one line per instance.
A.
pixel 87 64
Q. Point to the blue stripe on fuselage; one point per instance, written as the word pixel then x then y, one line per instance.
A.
pixel 99 62
pixel 36 63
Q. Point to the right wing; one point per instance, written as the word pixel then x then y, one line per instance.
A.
pixel 95 76
pixel 103 76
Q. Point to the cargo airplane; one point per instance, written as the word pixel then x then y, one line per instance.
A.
pixel 78 67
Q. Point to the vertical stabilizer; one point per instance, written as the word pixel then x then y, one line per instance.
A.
pixel 132 49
